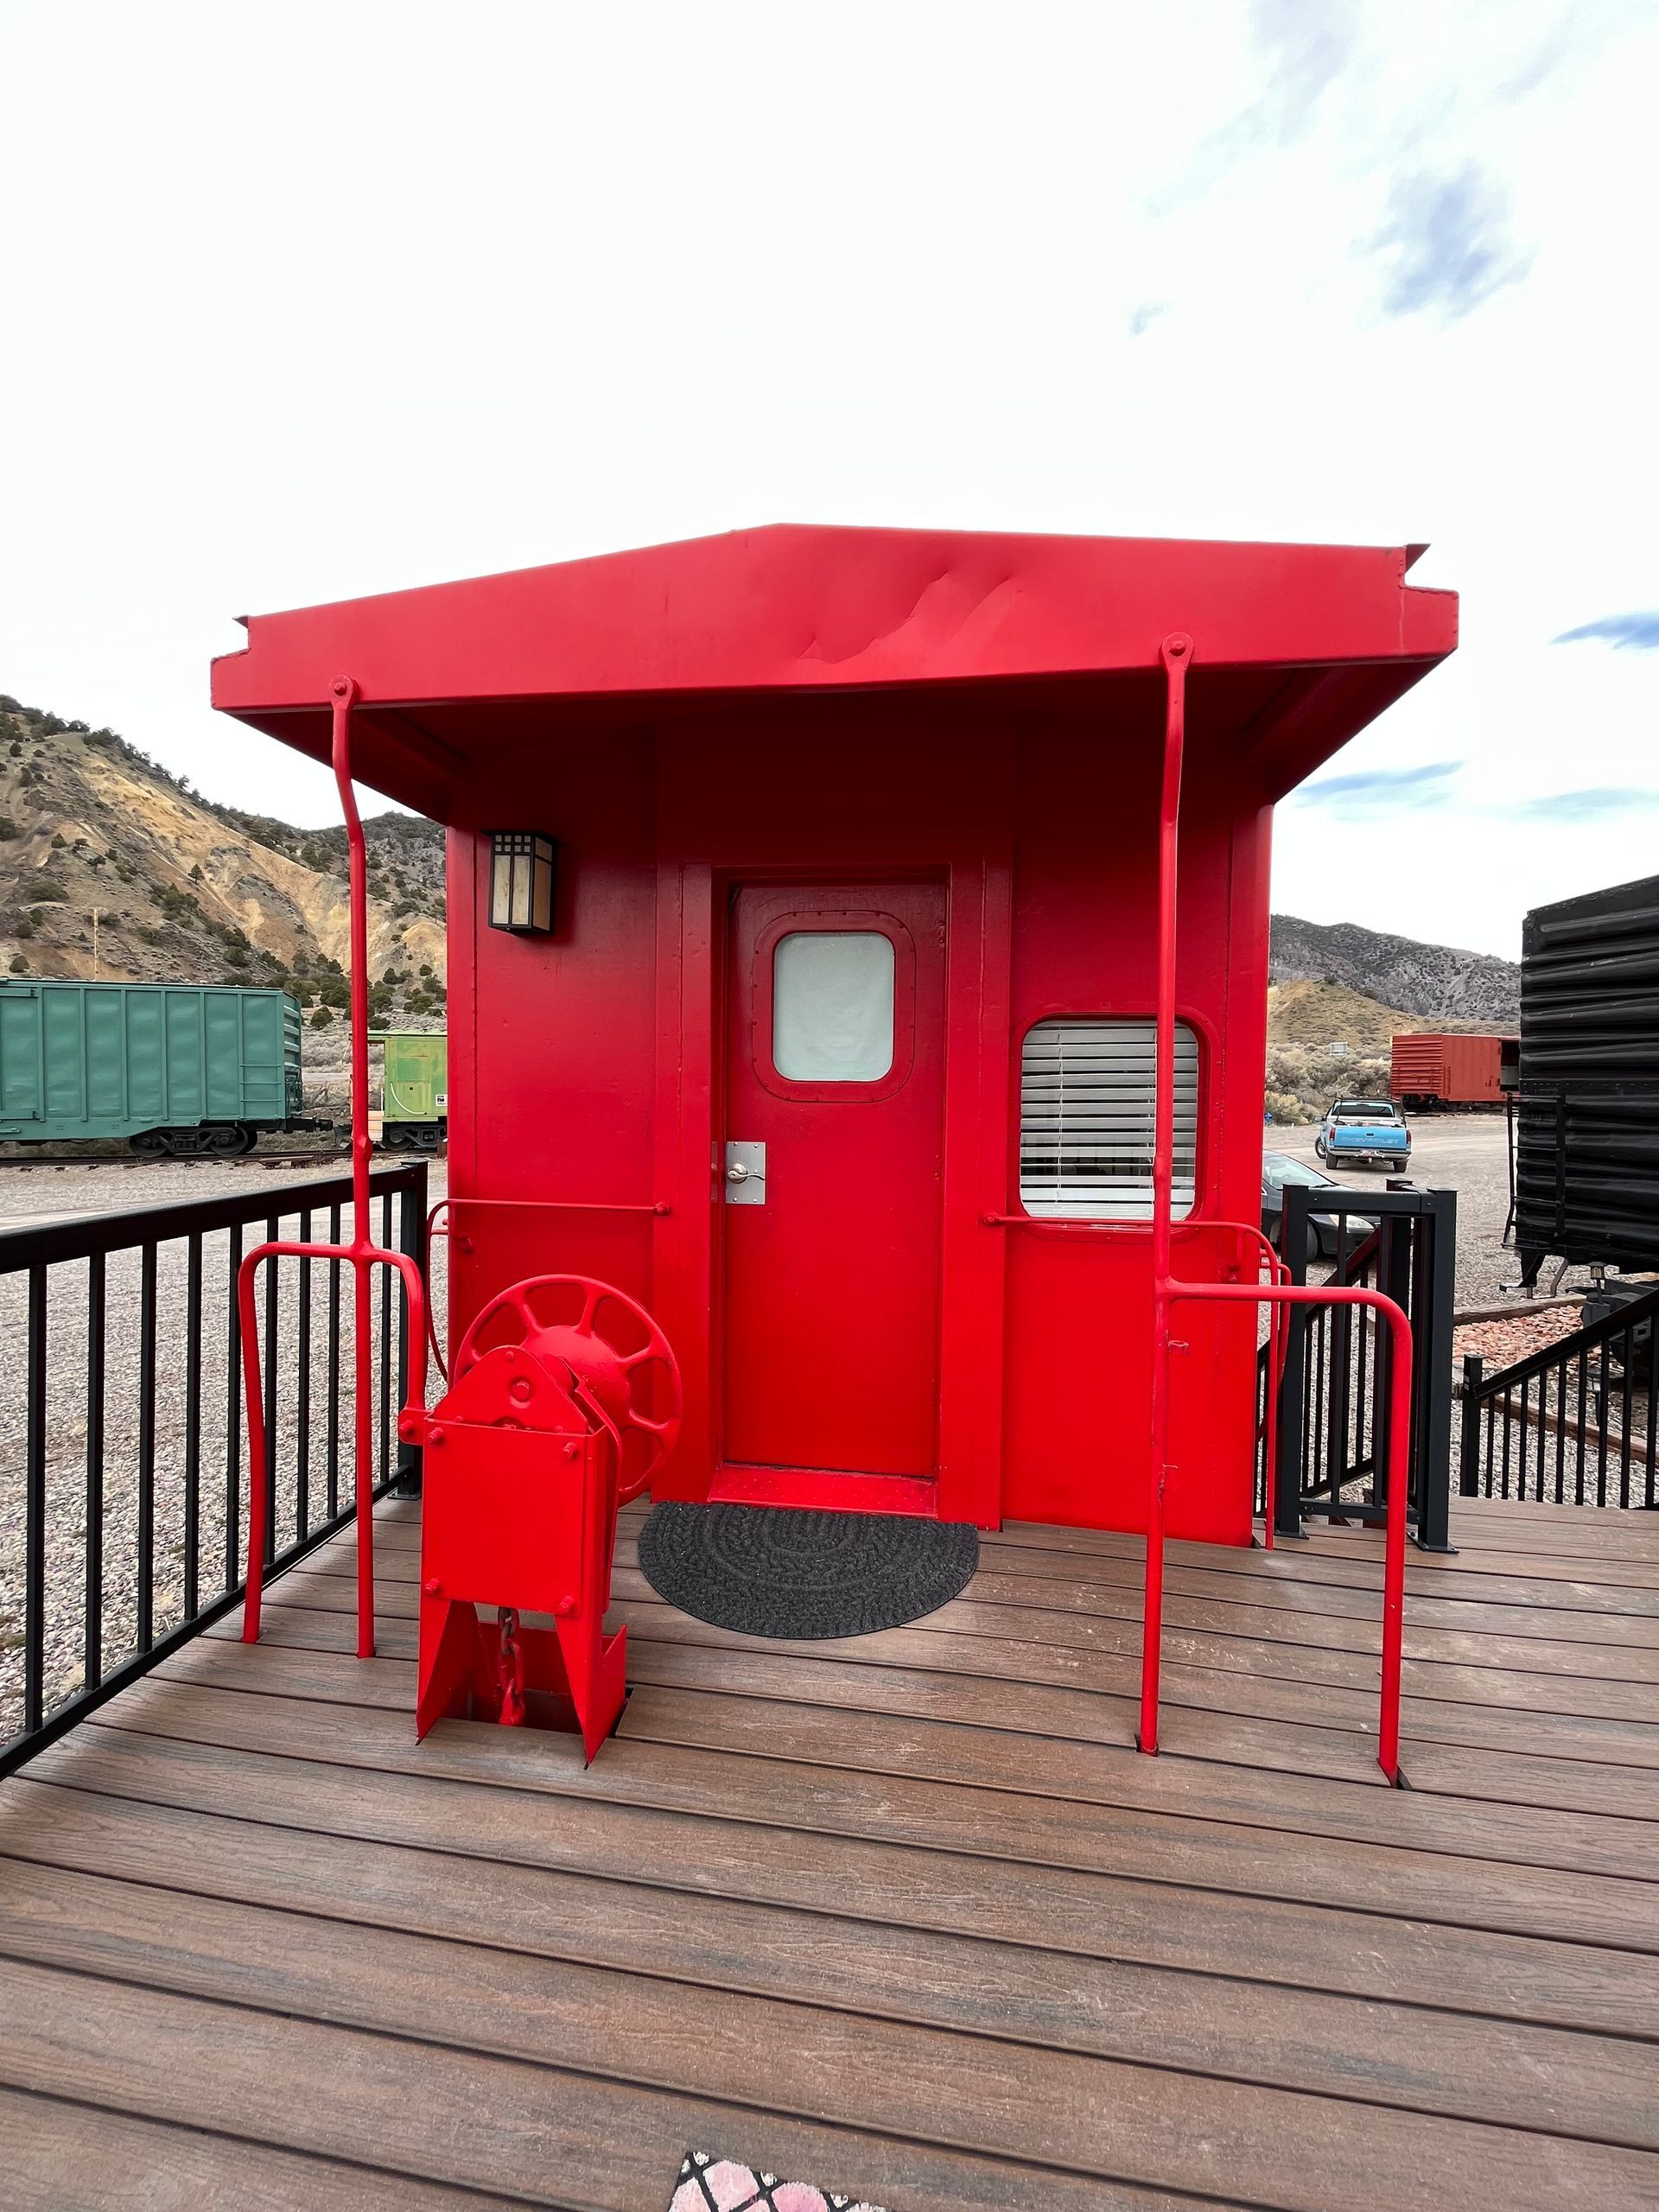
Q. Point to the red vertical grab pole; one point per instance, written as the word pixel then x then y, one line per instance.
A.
pixel 363 1254
pixel 1175 654
pixel 343 694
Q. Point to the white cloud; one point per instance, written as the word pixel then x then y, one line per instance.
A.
pixel 342 298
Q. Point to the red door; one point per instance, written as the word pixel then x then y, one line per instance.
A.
pixel 834 1116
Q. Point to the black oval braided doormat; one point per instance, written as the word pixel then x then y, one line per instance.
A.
pixel 775 1570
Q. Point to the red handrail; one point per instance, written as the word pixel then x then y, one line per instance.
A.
pixel 363 1254
pixel 1168 1292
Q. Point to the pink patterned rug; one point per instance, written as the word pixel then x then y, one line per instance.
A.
pixel 710 2184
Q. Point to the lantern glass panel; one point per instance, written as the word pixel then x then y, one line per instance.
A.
pixel 522 881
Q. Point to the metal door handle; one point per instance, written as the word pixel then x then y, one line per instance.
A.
pixel 746 1174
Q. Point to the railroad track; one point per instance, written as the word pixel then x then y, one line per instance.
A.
pixel 64 1159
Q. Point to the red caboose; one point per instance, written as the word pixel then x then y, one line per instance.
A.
pixel 803 948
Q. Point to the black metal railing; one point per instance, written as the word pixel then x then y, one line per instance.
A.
pixel 122 1457
pixel 1575 1424
pixel 1331 1448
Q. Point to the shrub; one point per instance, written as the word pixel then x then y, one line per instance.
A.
pixel 7 828
pixel 43 888
pixel 59 842
pixel 195 871
pixel 19 965
pixel 321 1019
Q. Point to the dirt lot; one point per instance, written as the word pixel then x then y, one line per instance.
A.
pixel 1467 1154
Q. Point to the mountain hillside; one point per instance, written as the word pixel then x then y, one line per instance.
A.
pixel 1324 1038
pixel 1329 1013
pixel 1435 981
pixel 110 866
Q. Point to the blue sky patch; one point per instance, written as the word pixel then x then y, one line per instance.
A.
pixel 1638 631
pixel 1423 786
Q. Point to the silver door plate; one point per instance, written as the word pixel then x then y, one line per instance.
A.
pixel 746 1174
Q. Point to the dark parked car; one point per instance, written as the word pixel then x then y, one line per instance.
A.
pixel 1278 1168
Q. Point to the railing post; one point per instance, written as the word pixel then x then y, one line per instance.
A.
pixel 67 1572
pixel 1435 1296
pixel 1292 1436
pixel 1468 1435
pixel 411 1239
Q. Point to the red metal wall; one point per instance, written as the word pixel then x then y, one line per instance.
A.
pixel 585 1068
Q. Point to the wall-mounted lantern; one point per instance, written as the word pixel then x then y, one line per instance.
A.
pixel 521 882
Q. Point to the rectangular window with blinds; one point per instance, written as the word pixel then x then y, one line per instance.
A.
pixel 1086 1119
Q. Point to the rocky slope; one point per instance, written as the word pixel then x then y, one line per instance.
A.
pixel 110 867
pixel 1445 986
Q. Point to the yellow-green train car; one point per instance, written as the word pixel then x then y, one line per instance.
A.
pixel 414 1094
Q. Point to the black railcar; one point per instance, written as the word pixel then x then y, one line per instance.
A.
pixel 1588 1109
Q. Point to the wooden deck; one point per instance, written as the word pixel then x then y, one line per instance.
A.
pixel 907 1916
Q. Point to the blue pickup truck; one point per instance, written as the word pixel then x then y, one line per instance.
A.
pixel 1369 1130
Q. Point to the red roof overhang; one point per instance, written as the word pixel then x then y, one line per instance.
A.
pixel 1315 639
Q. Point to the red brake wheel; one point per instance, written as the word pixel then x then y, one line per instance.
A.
pixel 612 1346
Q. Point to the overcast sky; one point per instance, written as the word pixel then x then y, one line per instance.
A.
pixel 300 302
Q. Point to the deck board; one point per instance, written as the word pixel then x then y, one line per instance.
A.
pixel 908 1916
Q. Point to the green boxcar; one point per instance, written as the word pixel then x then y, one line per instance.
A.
pixel 171 1067
pixel 414 1094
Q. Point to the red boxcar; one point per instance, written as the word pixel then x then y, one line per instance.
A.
pixel 832 1041
pixel 1429 1069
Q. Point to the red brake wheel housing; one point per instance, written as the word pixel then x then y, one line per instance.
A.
pixel 612 1346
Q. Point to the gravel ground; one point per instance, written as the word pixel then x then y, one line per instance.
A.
pixel 1467 1154
pixel 33 1195
pixel 1501 1343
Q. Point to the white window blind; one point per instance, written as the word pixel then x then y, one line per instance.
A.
pixel 1086 1119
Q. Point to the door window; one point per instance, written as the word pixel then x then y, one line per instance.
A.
pixel 832 1012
